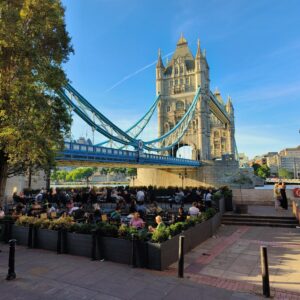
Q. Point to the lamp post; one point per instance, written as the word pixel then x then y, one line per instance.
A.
pixel 133 177
pixel 182 177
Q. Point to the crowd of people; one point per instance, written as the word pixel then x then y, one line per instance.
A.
pixel 116 205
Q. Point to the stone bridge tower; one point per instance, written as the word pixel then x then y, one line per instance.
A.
pixel 177 83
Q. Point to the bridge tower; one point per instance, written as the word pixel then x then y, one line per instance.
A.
pixel 177 83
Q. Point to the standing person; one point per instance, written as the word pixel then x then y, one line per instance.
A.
pixel 140 196
pixel 208 199
pixel 276 195
pixel 284 202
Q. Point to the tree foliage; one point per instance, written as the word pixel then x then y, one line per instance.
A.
pixel 263 171
pixel 34 44
pixel 284 173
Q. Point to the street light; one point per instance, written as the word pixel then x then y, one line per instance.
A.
pixel 133 177
pixel 182 177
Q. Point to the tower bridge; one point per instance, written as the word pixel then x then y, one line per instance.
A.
pixel 188 114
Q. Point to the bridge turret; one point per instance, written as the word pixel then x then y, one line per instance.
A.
pixel 160 68
pixel 201 69
pixel 229 106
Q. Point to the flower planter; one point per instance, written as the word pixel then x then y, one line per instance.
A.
pixel 47 239
pixel 216 222
pixel 79 244
pixel 20 233
pixel 160 256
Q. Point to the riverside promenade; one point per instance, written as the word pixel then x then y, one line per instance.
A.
pixel 226 266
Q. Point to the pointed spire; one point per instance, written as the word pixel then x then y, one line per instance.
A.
pixel 229 106
pixel 198 49
pixel 159 60
pixel 182 41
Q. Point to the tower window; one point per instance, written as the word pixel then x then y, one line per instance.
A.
pixel 181 69
pixel 176 70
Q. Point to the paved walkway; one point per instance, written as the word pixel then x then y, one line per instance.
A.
pixel 231 260
pixel 263 210
pixel 45 275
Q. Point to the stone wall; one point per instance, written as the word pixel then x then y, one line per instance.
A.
pixel 257 197
pixel 211 173
pixel 18 183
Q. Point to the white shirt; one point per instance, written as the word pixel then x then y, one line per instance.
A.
pixel 194 211
pixel 208 197
pixel 140 196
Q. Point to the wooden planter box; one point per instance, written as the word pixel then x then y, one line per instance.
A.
pixel 160 256
pixel 20 233
pixel 79 244
pixel 147 255
pixel 47 239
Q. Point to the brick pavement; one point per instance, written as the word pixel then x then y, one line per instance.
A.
pixel 45 275
pixel 230 260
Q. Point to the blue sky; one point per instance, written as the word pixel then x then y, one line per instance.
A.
pixel 253 50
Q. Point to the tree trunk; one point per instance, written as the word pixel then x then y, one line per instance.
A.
pixel 48 174
pixel 29 178
pixel 3 174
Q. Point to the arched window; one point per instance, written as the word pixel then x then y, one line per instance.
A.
pixel 181 69
pixel 179 105
pixel 167 127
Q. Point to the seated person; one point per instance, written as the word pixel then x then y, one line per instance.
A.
pixel 116 215
pixel 181 215
pixel 179 196
pixel 136 221
pixel 194 210
pixel 160 224
pixel 2 214
pixel 154 208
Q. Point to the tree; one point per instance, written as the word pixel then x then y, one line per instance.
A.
pixel 263 171
pixel 284 173
pixel 255 167
pixel 34 44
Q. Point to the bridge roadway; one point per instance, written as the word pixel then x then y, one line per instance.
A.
pixel 87 155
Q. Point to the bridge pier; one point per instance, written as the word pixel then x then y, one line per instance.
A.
pixel 211 173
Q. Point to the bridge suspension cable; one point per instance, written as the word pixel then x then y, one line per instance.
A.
pixel 137 128
pixel 104 126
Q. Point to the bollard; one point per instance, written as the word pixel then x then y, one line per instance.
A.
pixel 11 261
pixel 94 244
pixel 133 250
pixel 29 241
pixel 265 271
pixel 181 257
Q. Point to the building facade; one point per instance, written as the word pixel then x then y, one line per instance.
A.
pixel 177 83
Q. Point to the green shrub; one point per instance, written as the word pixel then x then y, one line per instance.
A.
pixel 159 236
pixel 81 228
pixel 106 229
pixel 176 228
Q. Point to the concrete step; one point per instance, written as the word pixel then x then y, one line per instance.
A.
pixel 250 221
pixel 266 224
pixel 242 216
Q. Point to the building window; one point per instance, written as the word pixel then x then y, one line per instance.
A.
pixel 181 69
pixel 179 105
pixel 181 80
pixel 171 82
pixel 176 71
pixel 176 82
